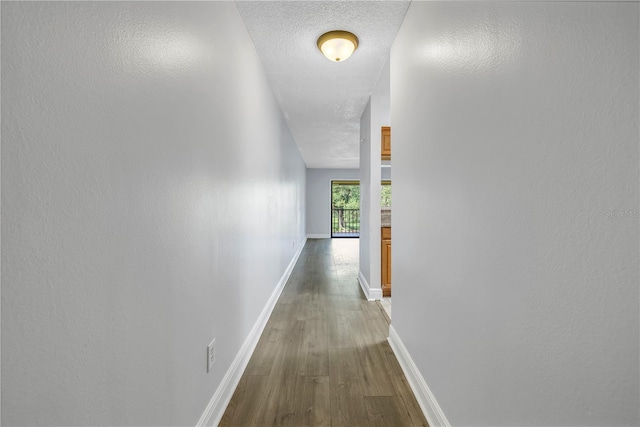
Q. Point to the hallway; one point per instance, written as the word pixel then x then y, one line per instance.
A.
pixel 323 358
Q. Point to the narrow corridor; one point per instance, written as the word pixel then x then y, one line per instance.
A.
pixel 323 358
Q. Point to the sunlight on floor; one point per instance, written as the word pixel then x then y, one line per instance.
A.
pixel 347 250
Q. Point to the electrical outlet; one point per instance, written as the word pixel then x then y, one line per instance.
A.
pixel 211 354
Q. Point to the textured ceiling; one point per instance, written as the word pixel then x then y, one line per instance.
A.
pixel 322 100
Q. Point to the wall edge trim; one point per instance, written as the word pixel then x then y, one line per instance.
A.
pixel 430 408
pixel 372 294
pixel 214 411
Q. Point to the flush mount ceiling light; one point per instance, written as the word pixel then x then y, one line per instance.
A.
pixel 337 46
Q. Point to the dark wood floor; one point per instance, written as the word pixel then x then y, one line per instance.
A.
pixel 323 358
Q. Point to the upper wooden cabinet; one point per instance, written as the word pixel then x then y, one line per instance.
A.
pixel 386 143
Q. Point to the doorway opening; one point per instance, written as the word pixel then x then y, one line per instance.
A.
pixel 345 209
pixel 385 210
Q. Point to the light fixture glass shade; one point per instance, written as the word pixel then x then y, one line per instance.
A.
pixel 337 46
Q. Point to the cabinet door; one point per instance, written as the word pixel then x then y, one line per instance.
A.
pixel 386 261
pixel 386 268
pixel 386 143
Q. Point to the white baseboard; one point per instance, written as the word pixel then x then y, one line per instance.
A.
pixel 318 236
pixel 372 294
pixel 218 403
pixel 425 398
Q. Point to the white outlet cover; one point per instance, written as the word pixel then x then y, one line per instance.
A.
pixel 211 354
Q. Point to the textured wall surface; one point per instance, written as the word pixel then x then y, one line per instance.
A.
pixel 319 197
pixel 375 115
pixel 515 135
pixel 152 197
pixel 385 173
pixel 365 193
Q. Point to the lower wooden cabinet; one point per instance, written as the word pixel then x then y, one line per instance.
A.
pixel 385 149
pixel 386 261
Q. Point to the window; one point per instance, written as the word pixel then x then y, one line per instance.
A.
pixel 345 208
pixel 385 194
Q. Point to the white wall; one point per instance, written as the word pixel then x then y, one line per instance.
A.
pixel 365 199
pixel 385 173
pixel 515 209
pixel 152 197
pixel 375 115
pixel 319 198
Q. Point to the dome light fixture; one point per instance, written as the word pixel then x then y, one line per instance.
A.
pixel 337 45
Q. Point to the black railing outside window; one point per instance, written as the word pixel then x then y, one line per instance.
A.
pixel 345 222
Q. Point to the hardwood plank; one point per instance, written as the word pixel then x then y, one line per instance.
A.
pixel 334 304
pixel 265 353
pixel 312 404
pixel 282 312
pixel 391 362
pixel 236 398
pixel 314 353
pixel 323 358
pixel 347 401
pixel 246 402
pixel 404 392
pixel 354 300
pixel 371 358
pixel 402 387
pixel 338 331
pixel 287 296
pixel 375 381
pixel 277 406
pixel 386 411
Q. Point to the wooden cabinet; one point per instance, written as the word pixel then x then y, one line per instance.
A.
pixel 386 143
pixel 386 261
